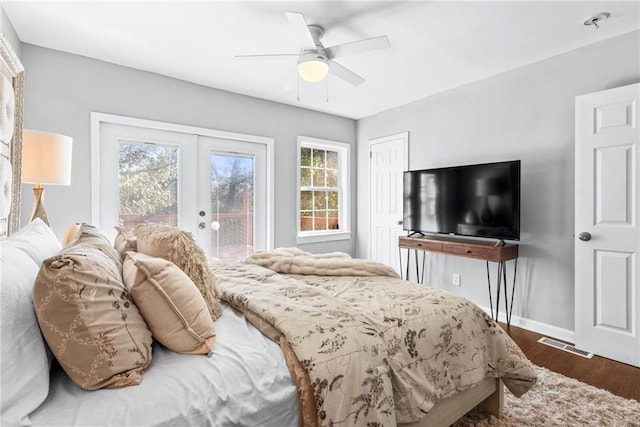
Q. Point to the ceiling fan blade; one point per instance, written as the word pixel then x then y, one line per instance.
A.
pixel 269 56
pixel 359 46
pixel 345 74
pixel 301 29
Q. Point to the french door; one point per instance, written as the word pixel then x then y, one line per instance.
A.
pixel 214 187
pixel 231 199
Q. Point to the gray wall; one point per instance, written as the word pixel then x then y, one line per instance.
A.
pixel 61 90
pixel 525 114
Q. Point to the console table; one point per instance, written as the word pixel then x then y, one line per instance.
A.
pixel 467 248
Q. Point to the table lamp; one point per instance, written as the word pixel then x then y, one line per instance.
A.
pixel 46 159
pixel 486 187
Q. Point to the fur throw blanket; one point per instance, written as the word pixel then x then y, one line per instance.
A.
pixel 296 261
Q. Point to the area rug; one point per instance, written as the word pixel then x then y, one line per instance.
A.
pixel 556 400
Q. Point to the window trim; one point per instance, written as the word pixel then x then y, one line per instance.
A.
pixel 344 191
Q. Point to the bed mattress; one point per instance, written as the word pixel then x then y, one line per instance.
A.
pixel 245 382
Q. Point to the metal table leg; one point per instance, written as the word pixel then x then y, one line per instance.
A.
pixel 490 293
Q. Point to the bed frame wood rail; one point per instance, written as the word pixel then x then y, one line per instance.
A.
pixel 488 397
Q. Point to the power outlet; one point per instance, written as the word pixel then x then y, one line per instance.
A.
pixel 455 280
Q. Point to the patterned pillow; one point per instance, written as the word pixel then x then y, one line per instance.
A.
pixel 23 355
pixel 87 316
pixel 170 303
pixel 125 240
pixel 179 247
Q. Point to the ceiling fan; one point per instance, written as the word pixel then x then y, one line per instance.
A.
pixel 314 60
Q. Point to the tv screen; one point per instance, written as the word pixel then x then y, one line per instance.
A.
pixel 480 200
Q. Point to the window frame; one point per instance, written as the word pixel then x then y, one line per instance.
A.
pixel 344 160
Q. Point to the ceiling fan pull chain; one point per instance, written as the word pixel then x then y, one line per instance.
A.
pixel 298 86
pixel 327 90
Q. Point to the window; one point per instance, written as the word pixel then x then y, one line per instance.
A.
pixel 148 183
pixel 323 171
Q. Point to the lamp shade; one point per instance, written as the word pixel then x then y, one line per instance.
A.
pixel 487 187
pixel 313 68
pixel 46 158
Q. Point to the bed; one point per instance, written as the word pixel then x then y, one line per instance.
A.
pixel 279 356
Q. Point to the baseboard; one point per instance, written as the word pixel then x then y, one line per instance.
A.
pixel 538 327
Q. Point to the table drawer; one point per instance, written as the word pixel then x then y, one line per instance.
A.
pixel 481 252
pixel 426 245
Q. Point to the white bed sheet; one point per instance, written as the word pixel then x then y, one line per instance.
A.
pixel 244 383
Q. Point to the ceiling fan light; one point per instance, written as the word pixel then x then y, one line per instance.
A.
pixel 313 70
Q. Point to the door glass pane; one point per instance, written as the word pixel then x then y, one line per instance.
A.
pixel 232 204
pixel 148 178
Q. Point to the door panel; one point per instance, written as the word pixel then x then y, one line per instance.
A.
pixel 607 278
pixel 614 173
pixel 614 290
pixel 181 199
pixel 233 197
pixel 388 160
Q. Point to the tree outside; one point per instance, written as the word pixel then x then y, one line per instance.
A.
pixel 148 178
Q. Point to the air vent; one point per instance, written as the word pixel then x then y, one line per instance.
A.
pixel 565 347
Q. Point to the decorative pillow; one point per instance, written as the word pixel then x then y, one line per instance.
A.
pixel 179 247
pixel 87 316
pixel 23 354
pixel 170 303
pixel 125 240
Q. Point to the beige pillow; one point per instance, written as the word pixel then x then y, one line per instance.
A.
pixel 87 316
pixel 170 303
pixel 179 247
pixel 125 240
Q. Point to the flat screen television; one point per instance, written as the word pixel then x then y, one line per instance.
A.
pixel 481 200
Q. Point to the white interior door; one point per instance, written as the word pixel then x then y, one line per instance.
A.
pixel 388 160
pixel 607 203
pixel 232 200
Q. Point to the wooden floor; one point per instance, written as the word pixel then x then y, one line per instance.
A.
pixel 618 378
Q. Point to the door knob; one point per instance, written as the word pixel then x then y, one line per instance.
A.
pixel 584 236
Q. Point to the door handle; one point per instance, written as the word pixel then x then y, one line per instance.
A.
pixel 584 236
pixel 399 222
pixel 202 226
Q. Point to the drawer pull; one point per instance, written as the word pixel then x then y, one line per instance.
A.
pixel 468 251
pixel 419 244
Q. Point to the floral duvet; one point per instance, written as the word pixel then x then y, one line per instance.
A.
pixel 373 350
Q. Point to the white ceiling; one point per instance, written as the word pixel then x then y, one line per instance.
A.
pixel 435 46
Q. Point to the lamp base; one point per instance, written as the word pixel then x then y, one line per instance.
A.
pixel 38 205
pixel 486 216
